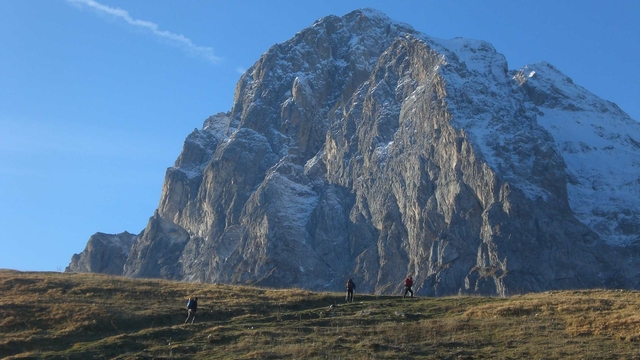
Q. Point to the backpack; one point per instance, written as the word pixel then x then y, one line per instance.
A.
pixel 190 304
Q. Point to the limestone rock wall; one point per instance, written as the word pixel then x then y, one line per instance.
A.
pixel 104 254
pixel 363 149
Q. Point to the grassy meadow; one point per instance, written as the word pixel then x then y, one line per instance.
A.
pixel 89 316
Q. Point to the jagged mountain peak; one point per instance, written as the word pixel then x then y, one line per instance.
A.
pixel 360 19
pixel 363 149
pixel 549 86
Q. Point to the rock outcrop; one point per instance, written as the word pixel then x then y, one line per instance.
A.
pixel 363 149
pixel 104 253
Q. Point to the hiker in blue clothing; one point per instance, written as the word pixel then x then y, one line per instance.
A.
pixel 350 287
pixel 192 306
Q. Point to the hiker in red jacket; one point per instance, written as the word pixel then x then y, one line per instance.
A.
pixel 408 283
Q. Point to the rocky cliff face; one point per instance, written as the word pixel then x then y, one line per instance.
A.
pixel 361 148
pixel 104 254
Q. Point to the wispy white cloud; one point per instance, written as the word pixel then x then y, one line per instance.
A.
pixel 180 40
pixel 240 70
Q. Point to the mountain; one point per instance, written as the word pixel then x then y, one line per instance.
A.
pixel 363 149
pixel 104 253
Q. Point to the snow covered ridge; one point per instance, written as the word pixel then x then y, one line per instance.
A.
pixel 485 104
pixel 601 147
pixel 599 143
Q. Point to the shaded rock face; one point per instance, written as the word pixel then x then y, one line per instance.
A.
pixel 104 253
pixel 363 149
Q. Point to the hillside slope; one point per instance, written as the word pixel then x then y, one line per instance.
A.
pixel 83 316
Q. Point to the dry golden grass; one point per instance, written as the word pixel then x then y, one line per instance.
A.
pixel 80 316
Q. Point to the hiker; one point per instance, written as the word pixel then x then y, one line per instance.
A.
pixel 408 283
pixel 350 287
pixel 192 306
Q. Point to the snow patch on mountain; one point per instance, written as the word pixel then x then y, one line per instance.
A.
pixel 217 125
pixel 123 241
pixel 213 131
pixel 599 144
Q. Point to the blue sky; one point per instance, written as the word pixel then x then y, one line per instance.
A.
pixel 96 98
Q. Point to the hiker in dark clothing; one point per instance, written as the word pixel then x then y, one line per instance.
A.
pixel 192 306
pixel 408 283
pixel 350 287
